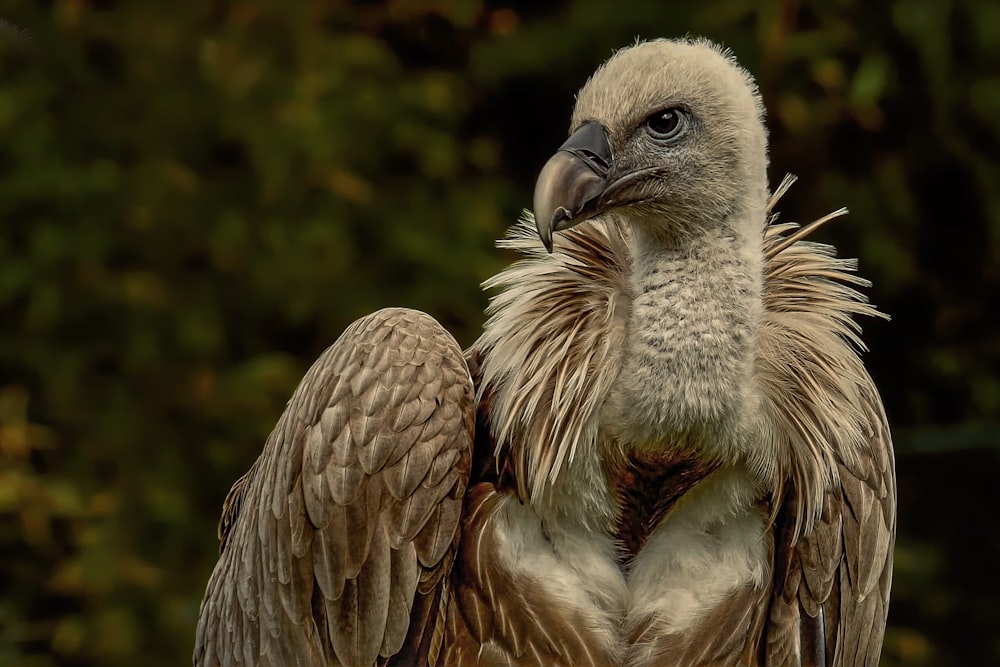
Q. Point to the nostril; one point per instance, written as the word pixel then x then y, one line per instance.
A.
pixel 593 157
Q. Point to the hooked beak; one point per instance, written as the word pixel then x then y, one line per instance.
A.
pixel 570 185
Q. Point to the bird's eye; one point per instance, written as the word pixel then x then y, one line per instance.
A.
pixel 665 124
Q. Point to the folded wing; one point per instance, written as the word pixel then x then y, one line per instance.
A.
pixel 337 541
pixel 832 584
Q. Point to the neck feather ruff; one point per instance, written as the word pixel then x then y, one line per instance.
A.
pixel 551 352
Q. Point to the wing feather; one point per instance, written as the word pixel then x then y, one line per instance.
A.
pixel 835 517
pixel 402 590
pixel 350 515
pixel 832 590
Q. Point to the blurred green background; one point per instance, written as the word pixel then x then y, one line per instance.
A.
pixel 197 197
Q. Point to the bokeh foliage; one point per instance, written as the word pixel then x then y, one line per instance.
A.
pixel 196 198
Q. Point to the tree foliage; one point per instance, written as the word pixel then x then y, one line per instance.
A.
pixel 196 198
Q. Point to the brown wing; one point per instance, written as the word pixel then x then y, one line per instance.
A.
pixel 336 542
pixel 832 584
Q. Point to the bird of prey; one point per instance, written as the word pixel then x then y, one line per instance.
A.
pixel 663 449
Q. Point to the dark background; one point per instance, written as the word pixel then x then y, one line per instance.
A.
pixel 197 197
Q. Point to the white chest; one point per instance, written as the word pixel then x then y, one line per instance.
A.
pixel 712 549
pixel 710 545
pixel 569 567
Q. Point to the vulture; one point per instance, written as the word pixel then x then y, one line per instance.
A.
pixel 664 448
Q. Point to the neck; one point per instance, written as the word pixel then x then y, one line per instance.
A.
pixel 688 367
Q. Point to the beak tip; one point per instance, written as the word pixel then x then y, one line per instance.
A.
pixel 554 222
pixel 544 231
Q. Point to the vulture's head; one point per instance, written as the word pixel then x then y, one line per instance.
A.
pixel 668 133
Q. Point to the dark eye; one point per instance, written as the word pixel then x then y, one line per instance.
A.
pixel 665 124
